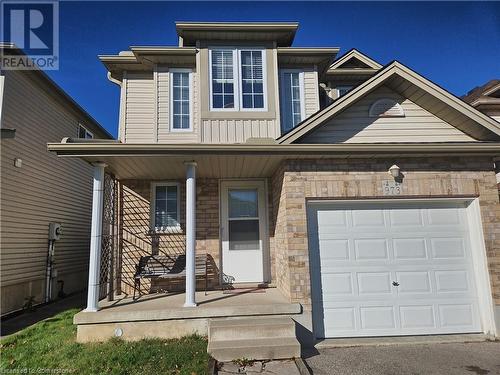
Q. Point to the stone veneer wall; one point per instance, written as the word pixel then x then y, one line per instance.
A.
pixel 362 178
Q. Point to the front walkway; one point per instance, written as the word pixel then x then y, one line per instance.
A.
pixel 439 359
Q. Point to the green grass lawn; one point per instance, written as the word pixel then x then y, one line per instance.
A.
pixel 49 347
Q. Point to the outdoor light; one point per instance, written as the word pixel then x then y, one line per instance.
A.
pixel 394 171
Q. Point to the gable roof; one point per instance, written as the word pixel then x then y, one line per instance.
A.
pixel 415 87
pixel 354 55
pixel 487 89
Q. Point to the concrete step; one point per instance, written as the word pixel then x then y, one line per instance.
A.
pixel 250 328
pixel 258 349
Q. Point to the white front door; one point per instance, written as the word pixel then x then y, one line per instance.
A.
pixel 386 269
pixel 243 229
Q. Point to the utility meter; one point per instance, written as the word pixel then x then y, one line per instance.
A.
pixel 55 231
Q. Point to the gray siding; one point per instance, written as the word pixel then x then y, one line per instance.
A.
pixel 45 189
pixel 355 126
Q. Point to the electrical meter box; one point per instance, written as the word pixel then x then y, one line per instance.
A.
pixel 55 231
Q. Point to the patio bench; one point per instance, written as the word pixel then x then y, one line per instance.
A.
pixel 168 267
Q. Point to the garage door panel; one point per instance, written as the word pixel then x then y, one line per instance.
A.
pixel 368 218
pixel 374 282
pixel 447 247
pixel 371 249
pixel 393 271
pixel 411 282
pixel 406 217
pixel 421 316
pixel 409 248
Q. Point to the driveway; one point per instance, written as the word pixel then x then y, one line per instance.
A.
pixel 469 358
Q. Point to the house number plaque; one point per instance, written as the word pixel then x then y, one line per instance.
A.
pixel 392 187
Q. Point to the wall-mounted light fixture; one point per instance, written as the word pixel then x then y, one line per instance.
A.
pixel 18 162
pixel 394 171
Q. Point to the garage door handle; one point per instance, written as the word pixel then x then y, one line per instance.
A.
pixel 395 283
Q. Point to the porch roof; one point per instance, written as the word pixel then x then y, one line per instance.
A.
pixel 161 161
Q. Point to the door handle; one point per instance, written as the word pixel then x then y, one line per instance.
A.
pixel 395 283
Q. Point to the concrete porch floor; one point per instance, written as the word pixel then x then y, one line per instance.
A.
pixel 162 315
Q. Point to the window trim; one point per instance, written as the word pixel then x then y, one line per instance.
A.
pixel 80 125
pixel 171 99
pixel 238 94
pixel 301 93
pixel 152 205
pixel 264 79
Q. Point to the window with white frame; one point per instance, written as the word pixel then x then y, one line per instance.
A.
pixel 237 77
pixel 292 98
pixel 342 90
pixel 84 133
pixel 180 103
pixel 165 204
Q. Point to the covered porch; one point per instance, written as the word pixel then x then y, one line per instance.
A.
pixel 164 315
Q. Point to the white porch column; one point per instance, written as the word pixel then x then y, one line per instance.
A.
pixel 95 238
pixel 190 234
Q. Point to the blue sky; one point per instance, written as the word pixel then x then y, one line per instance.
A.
pixel 456 45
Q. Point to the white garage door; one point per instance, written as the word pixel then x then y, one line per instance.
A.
pixel 386 269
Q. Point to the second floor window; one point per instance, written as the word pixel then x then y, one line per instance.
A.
pixel 342 90
pixel 180 104
pixel 292 98
pixel 237 79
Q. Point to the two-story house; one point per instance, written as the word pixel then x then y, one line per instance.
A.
pixel 363 196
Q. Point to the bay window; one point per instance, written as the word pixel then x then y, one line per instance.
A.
pixel 237 79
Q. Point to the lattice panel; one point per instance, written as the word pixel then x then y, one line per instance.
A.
pixel 109 239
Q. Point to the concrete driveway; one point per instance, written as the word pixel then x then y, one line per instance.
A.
pixel 453 358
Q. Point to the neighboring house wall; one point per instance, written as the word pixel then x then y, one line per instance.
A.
pixel 44 189
pixel 355 125
pixel 362 178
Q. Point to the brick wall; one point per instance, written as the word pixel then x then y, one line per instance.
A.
pixel 135 214
pixel 362 178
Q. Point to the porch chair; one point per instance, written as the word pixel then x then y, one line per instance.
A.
pixel 168 267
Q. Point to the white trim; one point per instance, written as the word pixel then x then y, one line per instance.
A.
pixel 238 94
pixel 301 90
pixel 152 205
pixel 171 99
pixel 2 83
pixel 478 249
pixel 87 132
pixel 480 264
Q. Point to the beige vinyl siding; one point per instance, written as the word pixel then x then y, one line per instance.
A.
pixel 311 91
pixel 140 108
pixel 165 135
pixel 45 189
pixel 355 126
pixel 237 131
